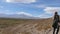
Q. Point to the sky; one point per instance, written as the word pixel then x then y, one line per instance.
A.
pixel 36 8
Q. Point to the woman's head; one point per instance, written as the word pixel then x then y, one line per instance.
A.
pixel 56 13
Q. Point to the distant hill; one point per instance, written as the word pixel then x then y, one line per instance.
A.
pixel 18 16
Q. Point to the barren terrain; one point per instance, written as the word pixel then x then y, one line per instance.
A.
pixel 26 26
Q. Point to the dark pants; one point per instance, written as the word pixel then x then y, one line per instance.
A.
pixel 55 30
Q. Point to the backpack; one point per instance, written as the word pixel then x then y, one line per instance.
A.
pixel 55 24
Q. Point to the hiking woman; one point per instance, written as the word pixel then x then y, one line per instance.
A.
pixel 55 24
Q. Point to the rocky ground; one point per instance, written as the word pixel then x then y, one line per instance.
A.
pixel 27 28
pixel 13 26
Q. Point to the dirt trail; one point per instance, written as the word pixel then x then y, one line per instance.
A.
pixel 52 32
pixel 28 28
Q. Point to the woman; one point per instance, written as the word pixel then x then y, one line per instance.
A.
pixel 55 24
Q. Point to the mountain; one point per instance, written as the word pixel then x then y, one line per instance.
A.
pixel 21 16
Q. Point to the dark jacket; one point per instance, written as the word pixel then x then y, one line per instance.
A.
pixel 56 17
pixel 55 21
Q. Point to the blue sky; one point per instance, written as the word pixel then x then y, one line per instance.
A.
pixel 37 8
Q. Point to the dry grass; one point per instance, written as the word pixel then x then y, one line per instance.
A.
pixel 11 22
pixel 42 24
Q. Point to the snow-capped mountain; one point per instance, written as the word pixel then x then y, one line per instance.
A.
pixel 21 16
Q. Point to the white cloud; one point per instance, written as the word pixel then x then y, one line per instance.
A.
pixel 40 6
pixel 49 12
pixel 8 12
pixel 45 15
pixel 52 9
pixel 24 13
pixel 21 1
